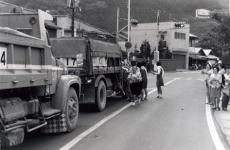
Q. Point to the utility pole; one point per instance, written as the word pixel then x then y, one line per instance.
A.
pixel 157 42
pixel 118 21
pixel 129 20
pixel 156 52
pixel 72 17
pixel 228 7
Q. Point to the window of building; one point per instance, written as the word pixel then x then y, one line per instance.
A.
pixel 179 35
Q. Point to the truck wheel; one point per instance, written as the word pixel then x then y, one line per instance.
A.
pixel 71 110
pixel 101 96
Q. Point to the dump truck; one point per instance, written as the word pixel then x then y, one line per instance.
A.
pixel 36 91
pixel 97 63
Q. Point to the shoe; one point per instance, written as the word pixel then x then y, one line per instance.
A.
pixel 224 109
pixel 213 108
pixel 133 103
pixel 158 96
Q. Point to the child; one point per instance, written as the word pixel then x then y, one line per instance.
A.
pixel 143 71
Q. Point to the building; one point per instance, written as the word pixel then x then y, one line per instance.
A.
pixel 61 24
pixel 171 39
pixel 81 28
pixel 197 58
pixel 193 40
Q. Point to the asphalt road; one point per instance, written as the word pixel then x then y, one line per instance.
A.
pixel 176 122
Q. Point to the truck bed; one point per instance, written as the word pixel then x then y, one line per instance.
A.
pixel 25 60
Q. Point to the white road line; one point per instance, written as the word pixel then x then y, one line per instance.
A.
pixel 93 128
pixel 78 138
pixel 155 89
pixel 190 72
pixel 189 79
pixel 202 80
pixel 212 129
pixel 172 81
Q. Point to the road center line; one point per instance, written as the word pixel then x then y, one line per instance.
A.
pixel 155 89
pixel 212 129
pixel 78 138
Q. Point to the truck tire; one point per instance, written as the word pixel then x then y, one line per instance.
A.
pixel 71 110
pixel 100 96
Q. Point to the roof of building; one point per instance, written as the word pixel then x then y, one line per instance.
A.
pixel 93 29
pixel 193 36
pixel 154 26
pixel 51 25
pixel 194 50
pixel 213 57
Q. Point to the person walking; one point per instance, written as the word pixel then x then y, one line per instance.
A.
pixel 226 90
pixel 159 79
pixel 143 71
pixel 215 88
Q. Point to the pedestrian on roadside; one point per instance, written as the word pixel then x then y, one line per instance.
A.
pixel 207 71
pixel 126 84
pixel 221 71
pixel 143 71
pixel 135 79
pixel 159 79
pixel 215 82
pixel 226 90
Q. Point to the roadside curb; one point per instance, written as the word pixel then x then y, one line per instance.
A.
pixel 220 127
pixel 215 129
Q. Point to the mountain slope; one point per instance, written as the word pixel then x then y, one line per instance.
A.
pixel 102 13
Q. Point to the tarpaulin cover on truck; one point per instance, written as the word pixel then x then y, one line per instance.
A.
pixel 99 48
pixel 70 47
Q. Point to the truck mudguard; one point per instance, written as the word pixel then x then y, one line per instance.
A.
pixel 64 83
pixel 98 79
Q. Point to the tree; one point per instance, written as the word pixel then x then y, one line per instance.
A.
pixel 219 38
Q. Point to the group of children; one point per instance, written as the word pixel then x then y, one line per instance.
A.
pixel 136 81
pixel 218 85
